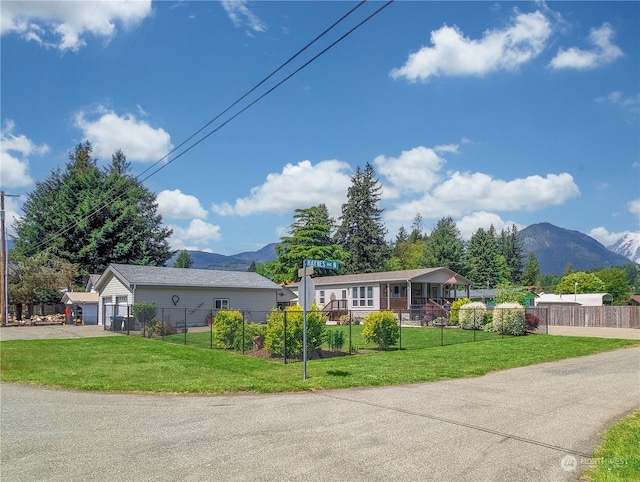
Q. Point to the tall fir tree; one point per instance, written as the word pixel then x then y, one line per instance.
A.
pixel 184 260
pixel 362 233
pixel 481 259
pixel 531 271
pixel 510 246
pixel 93 217
pixel 444 246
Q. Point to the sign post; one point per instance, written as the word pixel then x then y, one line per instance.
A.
pixel 308 293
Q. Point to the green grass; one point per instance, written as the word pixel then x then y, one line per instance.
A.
pixel 134 364
pixel 618 456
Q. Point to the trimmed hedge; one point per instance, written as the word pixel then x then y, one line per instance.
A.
pixel 471 315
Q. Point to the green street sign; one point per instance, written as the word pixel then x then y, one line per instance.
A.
pixel 321 263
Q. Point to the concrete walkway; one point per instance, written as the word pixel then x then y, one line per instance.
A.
pixel 537 423
pixel 44 332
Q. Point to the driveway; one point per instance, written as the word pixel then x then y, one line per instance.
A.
pixel 533 423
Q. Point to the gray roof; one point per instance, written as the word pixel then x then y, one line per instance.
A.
pixel 186 277
pixel 381 277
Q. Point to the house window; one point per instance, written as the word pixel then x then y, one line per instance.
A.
pixel 121 305
pixel 362 296
pixel 221 303
pixel 322 297
pixel 344 294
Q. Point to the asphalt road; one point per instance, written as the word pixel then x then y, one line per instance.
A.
pixel 526 424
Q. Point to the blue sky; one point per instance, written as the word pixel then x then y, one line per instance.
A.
pixel 489 112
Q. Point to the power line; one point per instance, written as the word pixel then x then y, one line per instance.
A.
pixel 141 179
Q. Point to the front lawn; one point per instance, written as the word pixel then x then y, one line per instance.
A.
pixel 134 364
pixel 618 456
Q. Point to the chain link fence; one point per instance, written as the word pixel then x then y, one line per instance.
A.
pixel 283 342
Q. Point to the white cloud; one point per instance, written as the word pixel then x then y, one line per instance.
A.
pixel 452 148
pixel 198 233
pixel 605 237
pixel 469 224
pixel 240 15
pixel 298 186
pixel 109 132
pixel 65 25
pixel 176 205
pixel 617 98
pixel 414 170
pixel 12 214
pixel 452 54
pixel 634 207
pixel 603 52
pixel 14 156
pixel 464 193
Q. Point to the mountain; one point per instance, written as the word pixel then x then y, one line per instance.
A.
pixel 556 247
pixel 628 246
pixel 235 262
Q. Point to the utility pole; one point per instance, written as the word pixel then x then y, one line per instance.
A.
pixel 4 288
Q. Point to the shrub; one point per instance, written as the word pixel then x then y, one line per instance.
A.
pixel 335 340
pixel 160 328
pixel 440 320
pixel 532 322
pixel 489 327
pixel 471 315
pixel 455 308
pixel 508 318
pixel 381 328
pixel 488 318
pixel 274 338
pixel 145 313
pixel 227 330
pixel 345 319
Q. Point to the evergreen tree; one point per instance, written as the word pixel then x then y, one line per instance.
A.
pixel 416 229
pixel 310 237
pixel 531 271
pixel 481 259
pixel 362 233
pixel 183 260
pixel 444 246
pixel 93 217
pixel 253 268
pixel 510 246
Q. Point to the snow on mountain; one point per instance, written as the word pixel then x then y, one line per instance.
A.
pixel 628 246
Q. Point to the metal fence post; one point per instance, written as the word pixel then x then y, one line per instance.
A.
pixel 350 334
pixel 185 326
pixel 400 315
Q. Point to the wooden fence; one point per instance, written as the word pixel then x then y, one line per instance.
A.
pixel 595 316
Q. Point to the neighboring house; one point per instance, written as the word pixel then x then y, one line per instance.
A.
pixel 487 296
pixel 91 283
pixel 185 296
pixel 580 299
pixel 83 305
pixel 407 290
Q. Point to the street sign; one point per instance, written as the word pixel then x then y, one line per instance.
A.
pixel 321 263
pixel 302 272
pixel 309 293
